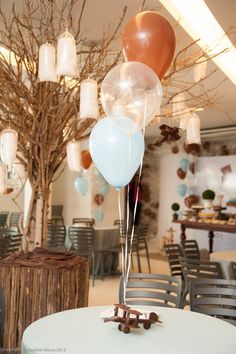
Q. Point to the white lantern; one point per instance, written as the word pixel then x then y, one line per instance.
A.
pixel 178 104
pixel 183 124
pixel 9 139
pixel 66 55
pixel 73 155
pixel 193 130
pixel 200 69
pixel 3 178
pixel 47 63
pixel 88 99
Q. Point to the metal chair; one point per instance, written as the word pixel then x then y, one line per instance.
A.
pixel 233 269
pixel 173 252
pixel 85 221
pixel 214 297
pixel 151 290
pixel 190 249
pixel 193 268
pixel 15 220
pixel 83 243
pixel 56 237
pixel 56 216
pixel 140 243
pixel 3 218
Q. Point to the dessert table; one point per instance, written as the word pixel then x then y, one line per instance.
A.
pixel 82 331
pixel 210 227
pixel 225 258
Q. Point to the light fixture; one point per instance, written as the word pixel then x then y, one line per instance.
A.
pixel 193 129
pixel 88 99
pixel 47 63
pixel 199 22
pixel 73 155
pixel 9 138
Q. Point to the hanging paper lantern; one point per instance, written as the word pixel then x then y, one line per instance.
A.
pixel 193 130
pixel 183 124
pixel 88 99
pixel 73 155
pixel 3 178
pixel 47 63
pixel 199 70
pixel 9 139
pixel 66 55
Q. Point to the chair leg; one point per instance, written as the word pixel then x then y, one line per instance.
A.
pixel 93 269
pixel 148 259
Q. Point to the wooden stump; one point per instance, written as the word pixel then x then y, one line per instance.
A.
pixel 37 284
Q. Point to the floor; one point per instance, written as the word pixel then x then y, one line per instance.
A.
pixel 105 292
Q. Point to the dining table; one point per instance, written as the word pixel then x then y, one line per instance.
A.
pixel 83 331
pixel 225 258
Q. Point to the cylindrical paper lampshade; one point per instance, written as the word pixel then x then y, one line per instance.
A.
pixel 73 155
pixel 193 130
pixel 178 104
pixel 88 99
pixel 183 124
pixel 9 139
pixel 66 55
pixel 200 69
pixel 47 63
pixel 3 178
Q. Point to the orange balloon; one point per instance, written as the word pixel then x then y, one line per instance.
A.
pixel 86 159
pixel 150 39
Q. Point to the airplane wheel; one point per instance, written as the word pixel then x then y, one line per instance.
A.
pixel 147 324
pixel 120 327
pixel 153 317
pixel 126 329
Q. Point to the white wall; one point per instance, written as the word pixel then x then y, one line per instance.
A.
pixel 207 175
pixel 77 205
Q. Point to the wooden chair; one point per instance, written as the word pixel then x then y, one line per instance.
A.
pixel 56 237
pixel 214 297
pixel 233 269
pixel 85 221
pixel 193 268
pixel 83 243
pixel 151 290
pixel 191 249
pixel 173 252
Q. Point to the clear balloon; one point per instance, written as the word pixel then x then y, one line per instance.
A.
pixel 81 185
pixel 116 154
pixel 132 89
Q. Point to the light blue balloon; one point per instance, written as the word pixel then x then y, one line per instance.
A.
pixel 81 185
pixel 182 189
pixel 116 153
pixel 104 189
pixel 99 215
pixel 184 163
pixel 191 190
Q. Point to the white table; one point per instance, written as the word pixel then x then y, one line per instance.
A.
pixel 224 258
pixel 82 331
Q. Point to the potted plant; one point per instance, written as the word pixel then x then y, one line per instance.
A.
pixel 208 196
pixel 175 207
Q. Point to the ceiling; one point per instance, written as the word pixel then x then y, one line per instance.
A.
pixel 109 11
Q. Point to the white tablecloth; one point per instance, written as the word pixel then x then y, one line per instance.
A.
pixel 82 331
pixel 224 258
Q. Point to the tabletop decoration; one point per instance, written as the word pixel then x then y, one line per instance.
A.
pixel 131 318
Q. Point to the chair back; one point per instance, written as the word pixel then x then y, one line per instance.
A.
pixel 4 244
pixel 233 269
pixel 14 220
pixel 173 252
pixel 14 243
pixel 214 297
pixel 3 218
pixel 190 249
pixel 142 233
pixel 193 268
pixel 83 221
pixel 56 237
pixel 82 240
pixel 151 290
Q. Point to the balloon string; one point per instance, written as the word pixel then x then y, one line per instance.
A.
pixel 137 194
pixel 122 244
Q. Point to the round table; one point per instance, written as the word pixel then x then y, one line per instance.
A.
pixel 82 331
pixel 225 258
